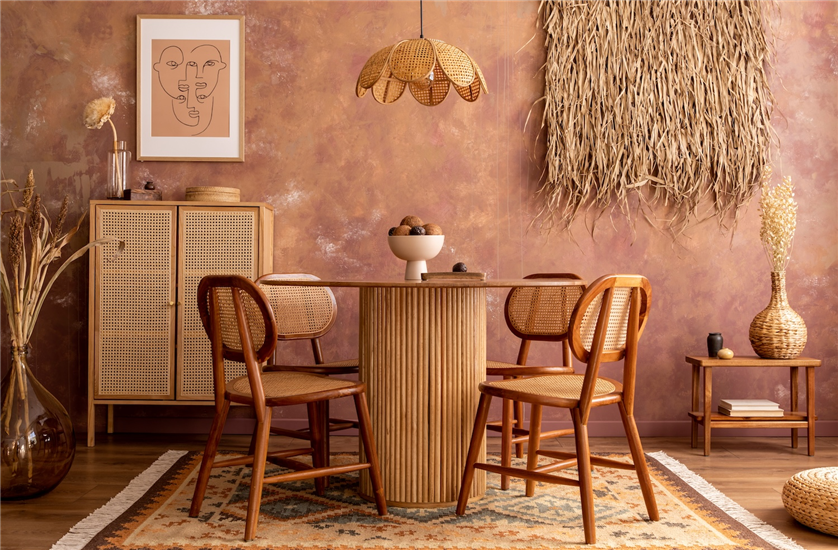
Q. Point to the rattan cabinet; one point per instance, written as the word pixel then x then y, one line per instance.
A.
pixel 146 343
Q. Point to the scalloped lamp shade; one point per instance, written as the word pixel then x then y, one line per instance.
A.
pixel 428 67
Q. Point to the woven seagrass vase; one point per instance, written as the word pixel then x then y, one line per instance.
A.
pixel 778 332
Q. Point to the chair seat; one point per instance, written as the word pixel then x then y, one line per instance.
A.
pixel 499 368
pixel 565 387
pixel 284 385
pixel 350 366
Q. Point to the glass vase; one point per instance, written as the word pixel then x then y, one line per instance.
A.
pixel 118 160
pixel 38 443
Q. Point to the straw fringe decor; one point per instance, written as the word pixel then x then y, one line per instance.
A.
pixel 665 103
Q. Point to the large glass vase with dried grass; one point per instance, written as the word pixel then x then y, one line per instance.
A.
pixel 777 332
pixel 38 443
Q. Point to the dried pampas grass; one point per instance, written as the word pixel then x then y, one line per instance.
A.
pixel 778 217
pixel 668 101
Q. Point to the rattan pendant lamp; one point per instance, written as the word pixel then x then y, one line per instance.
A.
pixel 428 67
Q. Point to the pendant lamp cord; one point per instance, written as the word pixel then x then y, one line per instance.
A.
pixel 421 24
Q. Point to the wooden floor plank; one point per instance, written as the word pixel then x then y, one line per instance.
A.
pixel 750 470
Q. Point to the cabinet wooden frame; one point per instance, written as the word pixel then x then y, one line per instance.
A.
pixel 171 391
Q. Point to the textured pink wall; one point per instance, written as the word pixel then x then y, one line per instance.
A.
pixel 340 171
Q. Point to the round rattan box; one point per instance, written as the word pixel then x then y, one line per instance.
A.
pixel 811 497
pixel 213 194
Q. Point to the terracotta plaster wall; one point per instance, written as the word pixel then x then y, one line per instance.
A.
pixel 339 171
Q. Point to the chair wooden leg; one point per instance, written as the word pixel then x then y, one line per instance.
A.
pixel 326 448
pixel 519 423
pixel 533 443
pixel 477 435
pixel 583 465
pixel 260 456
pixel 315 426
pixel 640 463
pixel 365 429
pixel 208 459
pixel 506 441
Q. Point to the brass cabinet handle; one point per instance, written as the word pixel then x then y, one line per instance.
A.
pixel 171 303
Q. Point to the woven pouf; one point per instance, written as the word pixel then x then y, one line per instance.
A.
pixel 811 497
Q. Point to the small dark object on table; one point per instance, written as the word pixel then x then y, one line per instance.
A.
pixel 459 267
pixel 149 185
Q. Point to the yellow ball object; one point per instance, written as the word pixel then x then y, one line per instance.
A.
pixel 725 353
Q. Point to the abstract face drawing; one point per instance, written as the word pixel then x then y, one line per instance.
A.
pixel 189 78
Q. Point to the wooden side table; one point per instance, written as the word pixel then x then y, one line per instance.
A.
pixel 792 418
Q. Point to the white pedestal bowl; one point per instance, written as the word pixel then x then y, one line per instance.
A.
pixel 415 250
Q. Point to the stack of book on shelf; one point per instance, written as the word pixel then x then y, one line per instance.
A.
pixel 749 407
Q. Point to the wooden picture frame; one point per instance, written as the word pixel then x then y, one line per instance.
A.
pixel 190 88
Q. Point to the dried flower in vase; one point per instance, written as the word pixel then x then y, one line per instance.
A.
pixel 25 285
pixel 96 114
pixel 778 214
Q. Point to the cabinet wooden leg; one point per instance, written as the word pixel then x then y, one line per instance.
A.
pixel 110 419
pixel 708 406
pixel 91 423
pixel 793 404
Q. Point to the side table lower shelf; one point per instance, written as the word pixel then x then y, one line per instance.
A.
pixel 788 420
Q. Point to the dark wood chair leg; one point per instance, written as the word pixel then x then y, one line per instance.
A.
pixel 533 443
pixel 519 423
pixel 583 465
pixel 260 456
pixel 506 441
pixel 315 426
pixel 209 457
pixel 477 436
pixel 640 463
pixel 367 440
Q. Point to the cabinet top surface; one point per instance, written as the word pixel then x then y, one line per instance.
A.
pixel 751 361
pixel 142 204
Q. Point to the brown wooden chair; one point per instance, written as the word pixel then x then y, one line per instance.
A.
pixel 605 326
pixel 306 313
pixel 241 327
pixel 532 314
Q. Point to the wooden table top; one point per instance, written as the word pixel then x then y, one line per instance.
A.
pixel 752 361
pixel 435 283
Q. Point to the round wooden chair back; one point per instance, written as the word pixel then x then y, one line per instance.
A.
pixel 302 312
pixel 234 310
pixel 606 326
pixel 542 313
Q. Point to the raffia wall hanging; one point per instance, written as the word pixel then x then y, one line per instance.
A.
pixel 666 101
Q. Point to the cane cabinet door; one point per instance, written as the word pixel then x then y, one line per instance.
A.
pixel 133 303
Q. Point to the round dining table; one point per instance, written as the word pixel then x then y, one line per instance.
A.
pixel 422 355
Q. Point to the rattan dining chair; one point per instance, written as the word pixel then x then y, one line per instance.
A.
pixel 532 314
pixel 241 327
pixel 605 326
pixel 306 313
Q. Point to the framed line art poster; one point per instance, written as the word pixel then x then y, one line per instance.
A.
pixel 190 88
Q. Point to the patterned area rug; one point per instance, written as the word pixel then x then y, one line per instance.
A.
pixel 151 514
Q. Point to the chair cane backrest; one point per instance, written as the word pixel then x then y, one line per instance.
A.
pixel 301 312
pixel 606 326
pixel 542 313
pixel 240 325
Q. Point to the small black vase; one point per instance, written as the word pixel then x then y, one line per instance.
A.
pixel 714 343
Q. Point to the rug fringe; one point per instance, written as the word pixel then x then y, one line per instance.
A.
pixel 761 529
pixel 84 531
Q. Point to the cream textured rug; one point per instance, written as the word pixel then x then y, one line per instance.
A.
pixel 151 514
